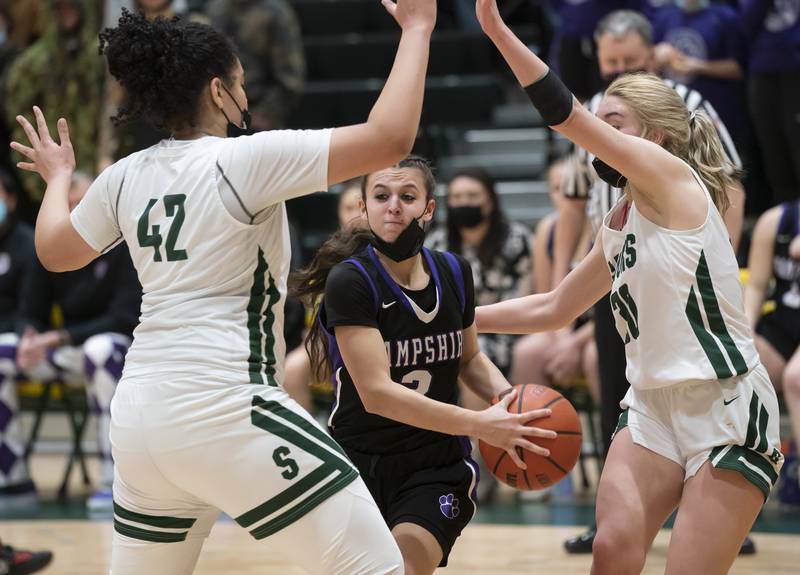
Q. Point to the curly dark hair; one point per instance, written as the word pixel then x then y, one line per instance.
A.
pixel 163 66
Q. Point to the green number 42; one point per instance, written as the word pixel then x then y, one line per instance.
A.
pixel 173 206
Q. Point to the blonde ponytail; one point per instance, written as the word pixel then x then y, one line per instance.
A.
pixel 691 137
pixel 706 155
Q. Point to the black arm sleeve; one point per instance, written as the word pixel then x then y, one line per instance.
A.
pixel 551 98
pixel 348 298
pixel 469 291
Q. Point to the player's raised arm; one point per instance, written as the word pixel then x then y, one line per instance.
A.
pixel 552 310
pixel 389 133
pixel 650 168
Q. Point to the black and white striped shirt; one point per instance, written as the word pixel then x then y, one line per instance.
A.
pixel 581 181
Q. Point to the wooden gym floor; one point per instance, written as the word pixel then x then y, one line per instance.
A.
pixel 507 537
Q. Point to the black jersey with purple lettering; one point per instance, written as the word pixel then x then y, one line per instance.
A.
pixel 423 337
pixel 786 270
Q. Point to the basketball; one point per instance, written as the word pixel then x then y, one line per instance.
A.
pixel 542 472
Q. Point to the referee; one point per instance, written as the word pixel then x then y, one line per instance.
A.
pixel 624 45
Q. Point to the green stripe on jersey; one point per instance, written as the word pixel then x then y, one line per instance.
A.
pixel 147 535
pixel 269 340
pixel 256 359
pixel 304 493
pixel 715 320
pixel 716 324
pixel 296 512
pixel 706 340
pixel 162 521
pixel 753 466
pixel 752 423
pixel 298 420
pixel 331 464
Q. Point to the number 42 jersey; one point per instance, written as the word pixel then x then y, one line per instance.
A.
pixel 677 300
pixel 207 231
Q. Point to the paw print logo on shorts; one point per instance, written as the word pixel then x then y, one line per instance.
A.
pixel 449 506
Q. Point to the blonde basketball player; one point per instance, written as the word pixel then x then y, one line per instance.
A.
pixel 200 423
pixel 700 426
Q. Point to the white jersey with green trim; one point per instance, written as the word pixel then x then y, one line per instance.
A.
pixel 207 231
pixel 677 300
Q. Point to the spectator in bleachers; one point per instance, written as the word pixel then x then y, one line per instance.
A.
pixel 543 357
pixel 17 257
pixel 650 8
pixel 774 274
pixel 27 18
pixel 498 250
pixel 267 33
pixel 99 306
pixel 62 73
pixel 773 27
pixel 575 48
pixel 702 45
pixel 8 52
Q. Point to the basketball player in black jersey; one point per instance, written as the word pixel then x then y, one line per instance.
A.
pixel 775 257
pixel 397 331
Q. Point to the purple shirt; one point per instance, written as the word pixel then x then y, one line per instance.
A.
pixel 650 8
pixel 579 18
pixel 773 27
pixel 711 34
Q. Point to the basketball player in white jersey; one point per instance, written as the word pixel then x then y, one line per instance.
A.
pixel 700 423
pixel 200 423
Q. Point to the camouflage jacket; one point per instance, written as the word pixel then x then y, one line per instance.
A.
pixel 63 83
pixel 267 35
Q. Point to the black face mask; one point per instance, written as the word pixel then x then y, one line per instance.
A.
pixel 465 216
pixel 406 245
pixel 235 131
pixel 608 174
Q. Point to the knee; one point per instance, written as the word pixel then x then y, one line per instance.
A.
pixel 618 551
pixel 529 347
pixel 98 348
pixel 791 379
pixel 106 352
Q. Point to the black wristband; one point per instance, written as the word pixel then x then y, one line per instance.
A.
pixel 552 98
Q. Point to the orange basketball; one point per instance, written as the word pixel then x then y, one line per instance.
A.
pixel 564 450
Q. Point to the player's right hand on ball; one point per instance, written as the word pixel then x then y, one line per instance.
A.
pixel 508 431
pixel 413 14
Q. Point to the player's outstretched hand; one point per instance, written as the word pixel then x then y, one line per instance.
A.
pixel 413 14
pixel 509 431
pixel 47 158
pixel 488 15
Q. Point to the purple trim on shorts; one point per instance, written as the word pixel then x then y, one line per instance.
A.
pixel 466 445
